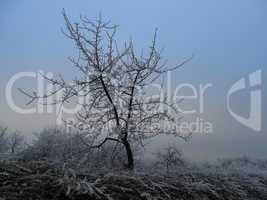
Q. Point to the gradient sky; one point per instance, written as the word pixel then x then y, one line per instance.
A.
pixel 228 38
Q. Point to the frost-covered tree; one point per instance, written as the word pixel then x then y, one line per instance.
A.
pixel 16 142
pixel 113 82
pixel 10 141
pixel 171 157
pixel 52 144
pixel 3 140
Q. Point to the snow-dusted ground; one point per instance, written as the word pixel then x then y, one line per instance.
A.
pixel 229 180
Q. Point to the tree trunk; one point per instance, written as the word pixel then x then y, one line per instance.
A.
pixel 129 152
pixel 12 149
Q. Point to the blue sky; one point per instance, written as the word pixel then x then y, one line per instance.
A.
pixel 228 38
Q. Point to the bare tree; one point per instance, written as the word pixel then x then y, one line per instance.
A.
pixel 170 157
pixel 16 142
pixel 113 83
pixel 3 139
pixel 3 132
